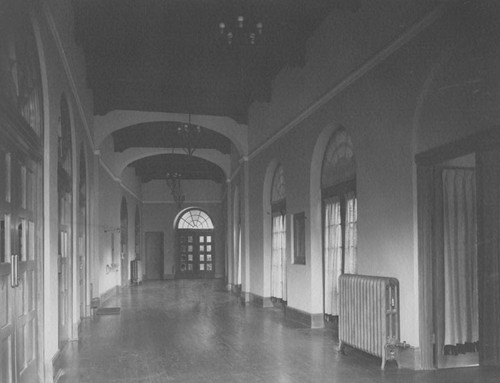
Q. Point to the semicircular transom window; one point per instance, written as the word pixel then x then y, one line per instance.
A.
pixel 195 219
pixel 278 192
pixel 339 163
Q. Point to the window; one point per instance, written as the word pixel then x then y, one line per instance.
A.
pixel 338 186
pixel 278 252
pixel 195 219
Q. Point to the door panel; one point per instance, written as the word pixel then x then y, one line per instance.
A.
pixel 18 306
pixel 154 255
pixel 195 254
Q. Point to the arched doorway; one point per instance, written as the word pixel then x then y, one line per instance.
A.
pixel 124 241
pixel 195 256
pixel 278 238
pixel 338 192
pixel 21 151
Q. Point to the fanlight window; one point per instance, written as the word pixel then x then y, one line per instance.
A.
pixel 278 191
pixel 339 164
pixel 195 219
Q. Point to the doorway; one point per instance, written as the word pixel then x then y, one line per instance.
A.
pixel 459 236
pixel 456 273
pixel 124 242
pixel 195 255
pixel 154 255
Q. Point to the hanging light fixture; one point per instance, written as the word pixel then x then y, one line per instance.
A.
pixel 173 180
pixel 189 136
pixel 240 31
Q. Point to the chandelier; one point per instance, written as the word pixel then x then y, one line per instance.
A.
pixel 173 180
pixel 240 31
pixel 189 136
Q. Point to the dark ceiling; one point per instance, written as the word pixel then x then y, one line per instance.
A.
pixel 168 55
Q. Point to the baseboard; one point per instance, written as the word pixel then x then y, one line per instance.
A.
pixel 304 318
pixel 410 358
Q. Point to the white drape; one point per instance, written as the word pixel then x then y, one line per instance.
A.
pixel 238 274
pixel 351 234
pixel 278 258
pixel 333 254
pixel 460 256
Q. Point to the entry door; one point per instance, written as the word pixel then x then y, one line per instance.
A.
pixel 19 246
pixel 154 255
pixel 195 254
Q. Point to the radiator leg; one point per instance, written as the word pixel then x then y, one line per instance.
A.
pixel 384 359
pixel 341 348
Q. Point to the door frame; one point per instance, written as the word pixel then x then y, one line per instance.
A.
pixel 146 256
pixel 428 228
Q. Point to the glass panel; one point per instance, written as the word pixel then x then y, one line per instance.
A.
pixel 183 257
pixel 8 176
pixel 202 239
pixel 202 267
pixel 21 237
pixel 202 247
pixel 183 248
pixel 209 238
pixel 190 239
pixel 209 257
pixel 30 239
pixel 209 267
pixel 2 239
pixel 29 190
pixel 202 257
pixel 190 257
pixel 190 247
pixel 190 267
pixel 183 239
pixel 183 267
pixel 209 247
pixel 23 187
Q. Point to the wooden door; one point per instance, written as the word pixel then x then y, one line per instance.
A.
pixel 154 255
pixel 195 254
pixel 18 265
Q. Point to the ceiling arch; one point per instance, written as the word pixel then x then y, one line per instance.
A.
pixel 119 119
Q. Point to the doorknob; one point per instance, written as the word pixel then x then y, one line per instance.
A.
pixel 14 270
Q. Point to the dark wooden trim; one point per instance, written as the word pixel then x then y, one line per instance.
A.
pixel 339 189
pixel 482 141
pixel 15 132
pixel 304 318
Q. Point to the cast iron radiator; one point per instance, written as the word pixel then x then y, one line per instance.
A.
pixel 135 271
pixel 369 315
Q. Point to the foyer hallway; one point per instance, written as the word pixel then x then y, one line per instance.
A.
pixel 195 331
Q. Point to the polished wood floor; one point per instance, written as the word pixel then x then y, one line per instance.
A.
pixel 195 331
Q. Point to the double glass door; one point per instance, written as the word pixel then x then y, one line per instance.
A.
pixel 19 244
pixel 195 255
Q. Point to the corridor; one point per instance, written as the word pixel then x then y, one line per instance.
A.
pixel 195 331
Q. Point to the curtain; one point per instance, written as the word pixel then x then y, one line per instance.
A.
pixel 278 258
pixel 351 234
pixel 238 247
pixel 333 254
pixel 460 257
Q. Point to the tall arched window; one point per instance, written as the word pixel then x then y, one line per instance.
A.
pixel 124 241
pixel 65 194
pixel 278 252
pixel 82 233
pixel 195 242
pixel 338 188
